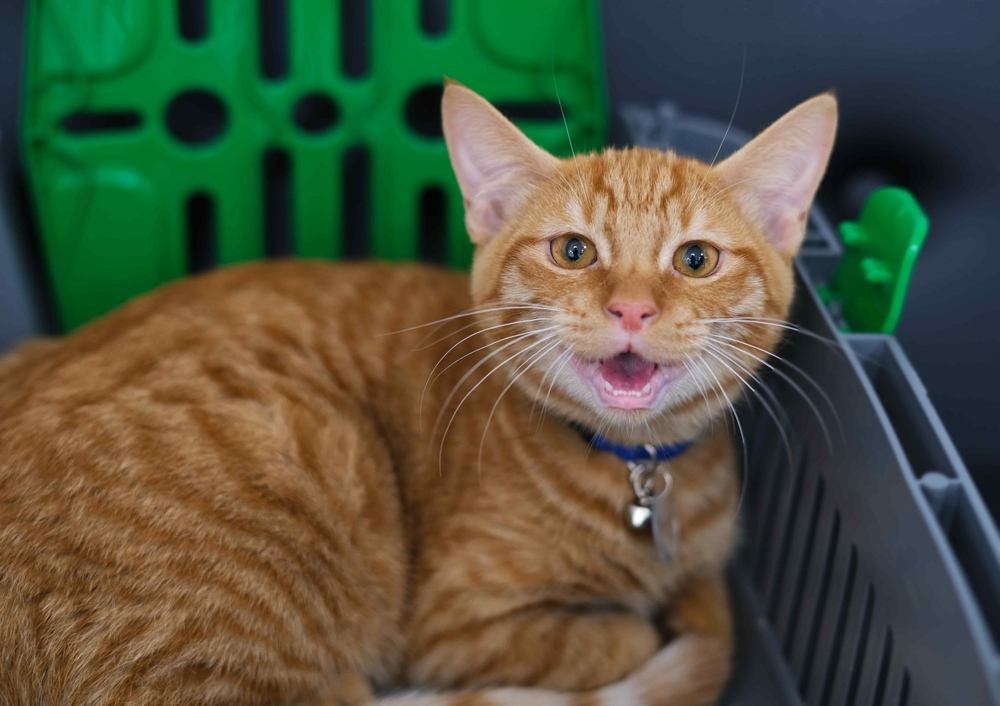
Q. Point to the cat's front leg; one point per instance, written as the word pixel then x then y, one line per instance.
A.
pixel 702 607
pixel 350 689
pixel 694 666
pixel 556 647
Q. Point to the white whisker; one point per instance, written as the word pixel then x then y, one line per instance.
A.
pixel 739 427
pixel 562 112
pixel 722 340
pixel 475 387
pixel 736 106
pixel 552 382
pixel 776 323
pixel 555 367
pixel 752 375
pixel 431 377
pixel 698 382
pixel 468 373
pixel 518 372
pixel 720 389
pixel 761 398
pixel 472 312
pixel 424 346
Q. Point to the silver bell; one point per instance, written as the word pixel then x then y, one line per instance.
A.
pixel 639 517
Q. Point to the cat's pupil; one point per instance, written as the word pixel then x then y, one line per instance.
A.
pixel 574 249
pixel 694 257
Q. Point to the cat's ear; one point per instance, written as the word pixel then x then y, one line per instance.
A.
pixel 495 163
pixel 775 176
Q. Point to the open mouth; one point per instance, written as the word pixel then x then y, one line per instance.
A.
pixel 627 380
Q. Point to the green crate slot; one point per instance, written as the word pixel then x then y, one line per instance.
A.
pixel 163 137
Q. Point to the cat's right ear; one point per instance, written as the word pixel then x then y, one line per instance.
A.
pixel 776 174
pixel 496 165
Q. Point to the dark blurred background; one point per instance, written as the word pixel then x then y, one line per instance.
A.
pixel 918 84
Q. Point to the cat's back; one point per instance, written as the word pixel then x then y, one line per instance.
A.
pixel 249 341
pixel 254 307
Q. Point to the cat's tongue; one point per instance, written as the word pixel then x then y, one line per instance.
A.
pixel 627 371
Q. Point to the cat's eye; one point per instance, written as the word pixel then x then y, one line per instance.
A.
pixel 696 259
pixel 572 251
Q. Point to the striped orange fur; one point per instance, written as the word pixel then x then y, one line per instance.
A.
pixel 271 485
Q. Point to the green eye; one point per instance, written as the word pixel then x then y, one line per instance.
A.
pixel 696 259
pixel 574 252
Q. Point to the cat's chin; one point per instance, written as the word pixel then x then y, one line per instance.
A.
pixel 628 381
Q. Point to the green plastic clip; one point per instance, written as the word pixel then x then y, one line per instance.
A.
pixel 880 249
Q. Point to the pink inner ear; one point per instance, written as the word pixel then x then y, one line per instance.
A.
pixel 484 216
pixel 470 174
pixel 776 175
pixel 787 199
pixel 489 179
pixel 495 164
pixel 785 231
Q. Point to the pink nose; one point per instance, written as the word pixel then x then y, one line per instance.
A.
pixel 633 315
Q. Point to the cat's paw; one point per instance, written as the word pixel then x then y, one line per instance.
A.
pixel 692 670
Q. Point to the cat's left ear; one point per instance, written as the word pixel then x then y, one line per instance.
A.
pixel 496 165
pixel 775 176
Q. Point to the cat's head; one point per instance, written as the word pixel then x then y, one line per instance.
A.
pixel 651 282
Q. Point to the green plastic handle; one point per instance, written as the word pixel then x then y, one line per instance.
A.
pixel 880 250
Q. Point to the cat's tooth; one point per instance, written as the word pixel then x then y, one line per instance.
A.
pixel 608 386
pixel 647 388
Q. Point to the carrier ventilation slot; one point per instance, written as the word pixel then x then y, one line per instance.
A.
pixel 841 625
pixel 541 111
pixel 272 24
pixel 885 665
pixel 356 185
pixel 277 203
pixel 196 117
pixel 432 224
pixel 757 483
pixel 766 512
pixel 315 113
pixel 355 37
pixel 787 532
pixel 435 16
pixel 85 121
pixel 201 232
pixel 423 110
pixel 861 649
pixel 192 19
pixel 798 592
pixel 904 690
pixel 820 606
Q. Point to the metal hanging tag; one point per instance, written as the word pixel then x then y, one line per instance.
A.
pixel 652 509
pixel 666 528
pixel 642 476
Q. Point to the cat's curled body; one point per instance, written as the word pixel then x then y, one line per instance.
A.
pixel 241 489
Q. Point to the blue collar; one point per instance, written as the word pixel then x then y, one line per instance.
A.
pixel 664 452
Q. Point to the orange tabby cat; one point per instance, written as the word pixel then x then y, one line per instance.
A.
pixel 239 490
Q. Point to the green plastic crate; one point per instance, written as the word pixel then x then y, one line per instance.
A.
pixel 167 136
